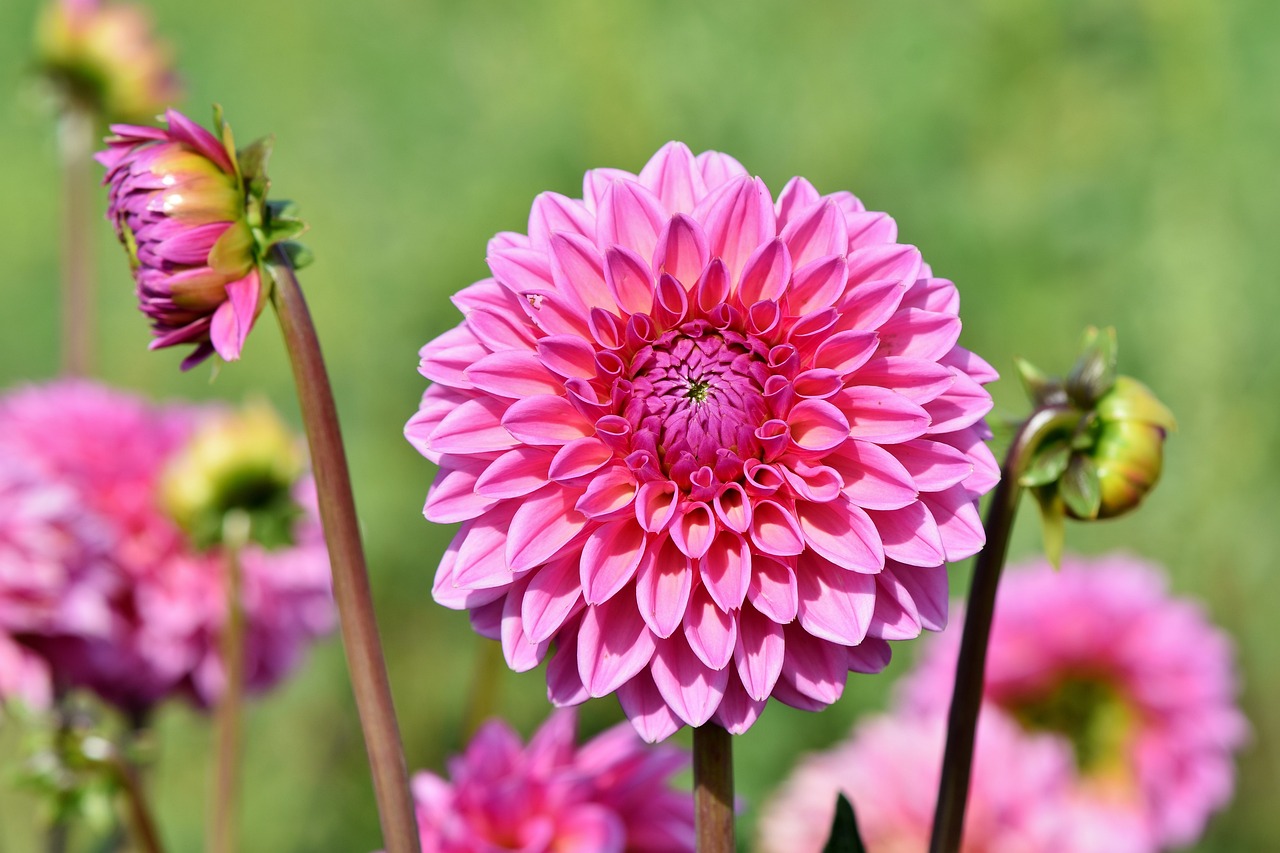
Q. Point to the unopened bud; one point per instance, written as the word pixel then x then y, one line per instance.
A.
pixel 1129 449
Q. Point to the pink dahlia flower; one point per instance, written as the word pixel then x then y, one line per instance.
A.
pixel 609 796
pixel 178 201
pixel 164 601
pixel 889 771
pixel 24 677
pixel 710 447
pixel 1137 681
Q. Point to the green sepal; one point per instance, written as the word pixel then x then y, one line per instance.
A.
pixel 253 166
pixel 1080 488
pixel 282 223
pixel 1053 524
pixel 1043 389
pixel 844 837
pixel 1095 370
pixel 299 255
pixel 1048 464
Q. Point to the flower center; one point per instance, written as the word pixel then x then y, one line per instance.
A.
pixel 695 399
pixel 1097 720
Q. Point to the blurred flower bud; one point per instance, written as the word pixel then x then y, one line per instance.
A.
pixel 104 57
pixel 1129 449
pixel 246 461
pixel 192 213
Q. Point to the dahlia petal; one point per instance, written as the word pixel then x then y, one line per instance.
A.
pixel 820 483
pixel 234 318
pixel 553 213
pixel 453 495
pixel 613 645
pixel 578 270
pixel 553 315
pixel 868 228
pixel 674 177
pixel 718 168
pixel 480 555
pixel 579 458
pixel 845 352
pixel 896 616
pixel 693 530
pixel 963 404
pixel 445 359
pixel 726 570
pixel 475 426
pixel 630 216
pixel 873 477
pixel 774 530
pixel 817 383
pixel 486 620
pixel 589 828
pixel 488 295
pixel 971 365
pixel 520 270
pixel 956 512
pixel 448 594
pixel 797 198
pixel 933 294
pixel 817 426
pixel 500 331
pixel 733 508
pixel 972 443
pixel 738 222
pixel 545 522
pixel 682 251
pixel 521 653
pixel 691 689
pixel 910 535
pixel 183 129
pixel 919 381
pixel 609 494
pixel 869 304
pixel 773 589
pixel 596 183
pixel 884 262
pixel 568 355
pixel 564 685
pixel 817 669
pixel 928 590
pixel 712 287
pixel 870 656
pixel 545 420
pixel 710 631
pixel 648 712
pixel 817 285
pixel 843 533
pixel 881 415
pixel 629 280
pixel 923 335
pixel 553 596
pixel 663 584
pixel 819 233
pixel 736 712
pixel 513 375
pixel 759 653
pixel 766 273
pixel 671 303
pixel 610 558
pixel 656 503
pixel 834 604
pixel 933 466
pixel 514 474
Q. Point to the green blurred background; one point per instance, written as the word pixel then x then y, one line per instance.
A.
pixel 1066 162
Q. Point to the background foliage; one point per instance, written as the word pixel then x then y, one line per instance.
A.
pixel 1065 162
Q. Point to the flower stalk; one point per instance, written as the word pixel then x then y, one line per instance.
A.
pixel 76 142
pixel 346 553
pixel 229 723
pixel 713 788
pixel 966 698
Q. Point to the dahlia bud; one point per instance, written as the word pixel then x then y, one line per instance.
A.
pixel 246 461
pixel 105 57
pixel 192 213
pixel 1129 450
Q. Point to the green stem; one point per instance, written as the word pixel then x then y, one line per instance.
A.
pixel 966 698
pixel 76 142
pixel 365 661
pixel 713 789
pixel 140 818
pixel 222 830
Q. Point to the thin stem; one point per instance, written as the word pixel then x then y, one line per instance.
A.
pixel 222 830
pixel 144 825
pixel 346 554
pixel 76 143
pixel 713 788
pixel 966 697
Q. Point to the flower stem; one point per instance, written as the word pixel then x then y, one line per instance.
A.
pixel 346 554
pixel 966 698
pixel 713 788
pixel 144 825
pixel 76 143
pixel 224 822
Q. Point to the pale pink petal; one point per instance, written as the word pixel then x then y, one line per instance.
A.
pixel 568 355
pixel 552 597
pixel 648 712
pixel 773 589
pixel 629 280
pixel 610 557
pixel 834 603
pixel 613 645
pixel 766 273
pixel 817 426
pixel 630 216
pixel 545 522
pixel 578 458
pixel 473 427
pixel 881 415
pixel 694 529
pixel 842 533
pixel 674 177
pixel 682 251
pixel 739 222
pixel 577 270
pixel 710 630
pixel 664 582
pixel 759 653
pixel 553 213
pixel 546 420
pixel 453 496
pixel 513 375
pixel 692 690
pixel 873 477
pixel 515 473
pixel 910 535
pixel 815 668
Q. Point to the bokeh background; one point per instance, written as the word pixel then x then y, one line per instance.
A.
pixel 1066 162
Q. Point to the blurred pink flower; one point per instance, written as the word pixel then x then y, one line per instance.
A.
pixel 889 771
pixel 609 796
pixel 164 602
pixel 1139 682
pixel 24 677
pixel 178 202
pixel 710 447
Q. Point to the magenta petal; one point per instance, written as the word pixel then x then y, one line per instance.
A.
pixel 694 529
pixel 817 285
pixel 933 466
pixel 881 415
pixel 446 592
pixel 610 557
pixel 552 597
pixel 834 604
pixel 564 685
pixel 589 828
pixel 613 645
pixel 842 533
pixel 185 130
pixel 773 589
pixel 817 425
pixel 514 375
pixel 928 590
pixel 544 523
pixel 766 274
pixel 737 711
pixel 914 333
pixel 579 458
pixel 919 381
pixel 820 232
pixel 885 262
pixel 568 355
pixel 691 688
pixel 473 427
pixel 609 494
pixel 910 535
pixel 663 584
pixel 631 217
pixel 759 653
pixel 553 213
pixel 514 474
pixel 814 667
pixel 648 712
pixel 896 616
pixel 453 495
pixel 674 177
pixel 739 221
pixel 629 280
pixel 726 570
pixel 774 530
pixel 870 656
pixel 656 503
pixel 873 478
pixel 546 420
pixel 956 512
pixel 521 653
pixel 682 251
pixel 234 318
pixel 710 631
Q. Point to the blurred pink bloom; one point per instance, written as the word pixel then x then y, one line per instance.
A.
pixel 24 677
pixel 710 447
pixel 164 602
pixel 889 771
pixel 178 203
pixel 609 796
pixel 1139 682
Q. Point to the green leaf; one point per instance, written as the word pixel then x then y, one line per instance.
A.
pixel 253 165
pixel 1040 387
pixel 844 830
pixel 1053 525
pixel 299 255
pixel 1095 370
pixel 1048 464
pixel 1080 488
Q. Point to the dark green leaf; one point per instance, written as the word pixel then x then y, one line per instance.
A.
pixel 844 830
pixel 1080 488
pixel 1048 464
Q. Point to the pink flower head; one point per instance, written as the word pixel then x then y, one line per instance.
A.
pixel 24 677
pixel 711 447
pixel 178 201
pixel 163 603
pixel 609 796
pixel 889 771
pixel 1137 681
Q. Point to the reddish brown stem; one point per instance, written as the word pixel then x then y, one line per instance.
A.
pixel 713 788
